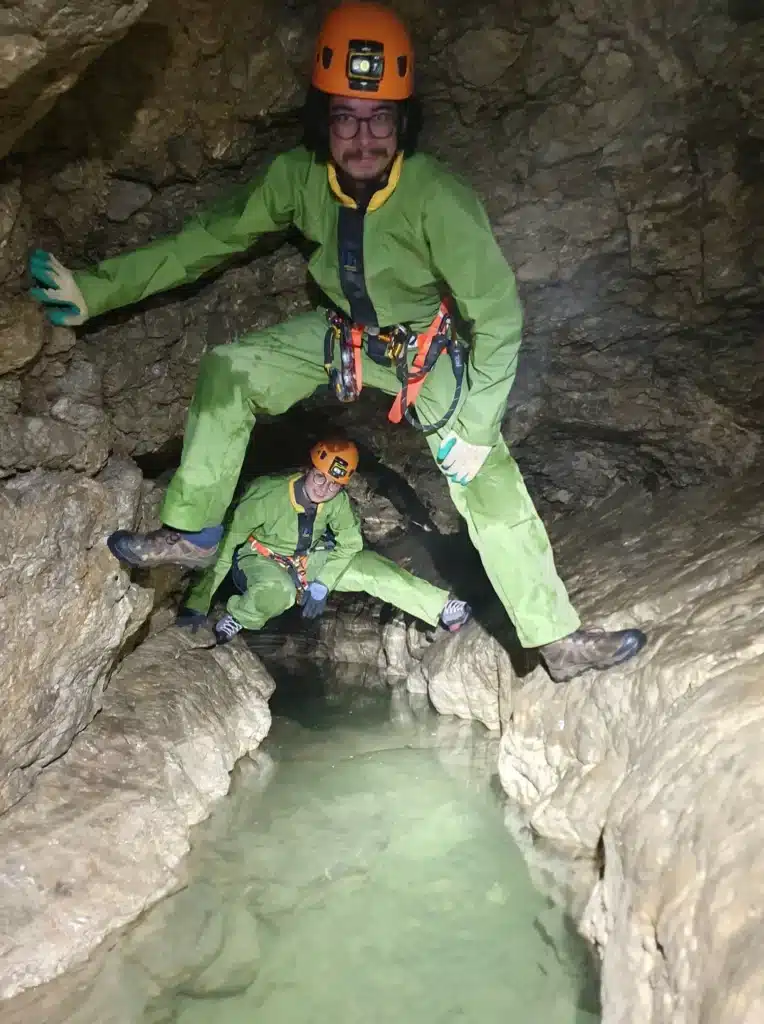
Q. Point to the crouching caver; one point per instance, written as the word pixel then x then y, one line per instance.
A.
pixel 294 538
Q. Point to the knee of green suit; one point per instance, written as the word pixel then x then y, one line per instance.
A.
pixel 222 382
pixel 497 492
pixel 514 547
pixel 262 602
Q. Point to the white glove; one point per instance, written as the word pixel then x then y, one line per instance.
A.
pixel 61 298
pixel 459 460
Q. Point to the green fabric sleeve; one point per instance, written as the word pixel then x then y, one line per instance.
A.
pixel 225 229
pixel 346 528
pixel 468 258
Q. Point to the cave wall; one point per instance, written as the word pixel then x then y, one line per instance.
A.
pixel 618 147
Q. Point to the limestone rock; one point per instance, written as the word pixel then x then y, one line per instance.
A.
pixel 481 56
pixel 102 834
pixel 684 860
pixel 67 611
pixel 379 517
pixel 403 645
pixel 467 675
pixel 659 760
pixel 42 56
pixel 685 568
pixel 54 442
pixel 125 198
pixel 353 635
pixel 22 327
pixel 13 217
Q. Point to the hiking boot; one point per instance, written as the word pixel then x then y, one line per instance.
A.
pixel 455 614
pixel 590 648
pixel 227 628
pixel 159 547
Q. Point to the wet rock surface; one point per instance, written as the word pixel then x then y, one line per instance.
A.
pixel 657 763
pixel 103 833
pixel 618 148
pixel 373 842
pixel 67 611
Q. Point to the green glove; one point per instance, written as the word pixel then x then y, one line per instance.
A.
pixel 61 298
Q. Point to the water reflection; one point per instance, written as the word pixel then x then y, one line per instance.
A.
pixel 359 870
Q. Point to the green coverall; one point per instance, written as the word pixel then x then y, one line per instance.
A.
pixel 268 511
pixel 425 235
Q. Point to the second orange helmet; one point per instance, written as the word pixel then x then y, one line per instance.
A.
pixel 364 51
pixel 338 459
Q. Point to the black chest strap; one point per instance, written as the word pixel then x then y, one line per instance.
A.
pixel 352 277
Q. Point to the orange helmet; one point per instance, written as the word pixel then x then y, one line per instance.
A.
pixel 338 459
pixel 364 50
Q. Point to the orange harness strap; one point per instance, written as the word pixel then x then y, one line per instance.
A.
pixel 418 374
pixel 356 340
pixel 295 565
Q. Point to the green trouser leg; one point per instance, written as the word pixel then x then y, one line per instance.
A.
pixel 200 594
pixel 506 530
pixel 270 591
pixel 379 577
pixel 266 372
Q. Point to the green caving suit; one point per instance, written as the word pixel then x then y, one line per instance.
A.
pixel 423 234
pixel 269 511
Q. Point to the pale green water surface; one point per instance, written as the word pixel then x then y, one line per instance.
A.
pixel 359 871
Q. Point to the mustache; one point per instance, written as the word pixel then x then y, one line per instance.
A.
pixel 359 154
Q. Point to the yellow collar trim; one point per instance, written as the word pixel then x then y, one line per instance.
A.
pixel 295 503
pixel 379 198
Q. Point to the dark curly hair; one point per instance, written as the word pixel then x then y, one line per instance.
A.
pixel 315 124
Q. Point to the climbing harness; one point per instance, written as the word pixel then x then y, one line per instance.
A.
pixel 391 347
pixel 295 565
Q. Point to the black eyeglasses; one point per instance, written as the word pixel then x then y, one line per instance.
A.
pixel 381 124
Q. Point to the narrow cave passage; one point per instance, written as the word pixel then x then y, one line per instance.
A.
pixel 358 870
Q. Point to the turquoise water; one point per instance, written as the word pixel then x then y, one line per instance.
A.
pixel 359 871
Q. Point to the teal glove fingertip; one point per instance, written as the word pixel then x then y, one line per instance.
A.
pixel 41 272
pixel 59 315
pixel 445 448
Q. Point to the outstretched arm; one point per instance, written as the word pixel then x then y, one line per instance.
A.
pixel 225 229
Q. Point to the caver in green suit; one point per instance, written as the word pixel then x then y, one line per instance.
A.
pixel 425 230
pixel 269 511
pixel 393 233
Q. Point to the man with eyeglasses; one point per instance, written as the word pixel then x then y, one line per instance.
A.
pixel 295 538
pixel 403 251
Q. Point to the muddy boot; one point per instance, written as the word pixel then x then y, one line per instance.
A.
pixel 590 648
pixel 455 614
pixel 160 547
pixel 227 628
